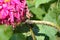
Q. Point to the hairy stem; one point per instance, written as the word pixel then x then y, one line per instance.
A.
pixel 43 22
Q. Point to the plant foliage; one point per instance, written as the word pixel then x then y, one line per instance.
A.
pixel 43 10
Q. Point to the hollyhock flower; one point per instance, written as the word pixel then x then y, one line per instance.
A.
pixel 12 11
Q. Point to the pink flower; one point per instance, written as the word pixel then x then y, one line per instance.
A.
pixel 12 11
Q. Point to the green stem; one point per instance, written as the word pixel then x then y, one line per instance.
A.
pixel 32 34
pixel 57 4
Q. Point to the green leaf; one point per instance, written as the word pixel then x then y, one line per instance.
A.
pixel 18 36
pixel 38 2
pixel 40 37
pixel 48 30
pixel 5 32
pixel 31 3
pixel 38 12
pixel 51 17
pixel 20 32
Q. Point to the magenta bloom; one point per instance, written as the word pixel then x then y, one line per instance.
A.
pixel 12 11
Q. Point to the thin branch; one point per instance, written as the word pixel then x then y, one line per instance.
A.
pixel 43 22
